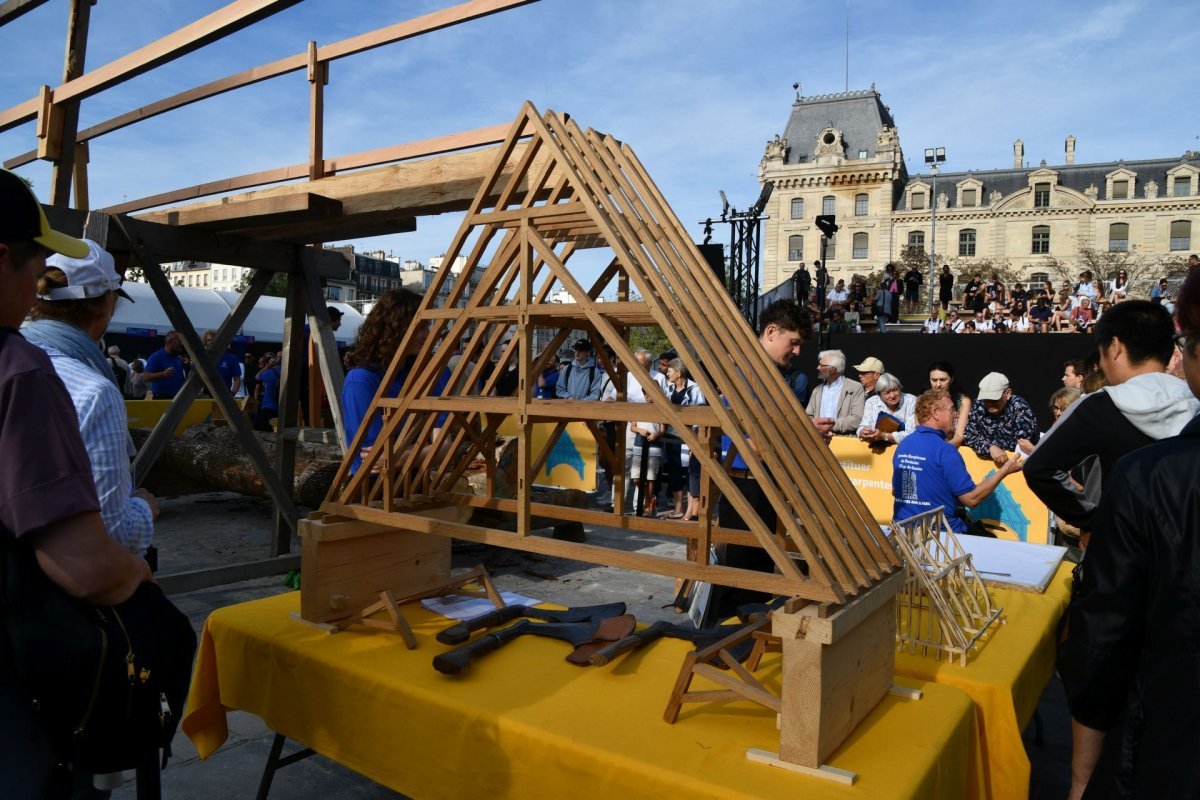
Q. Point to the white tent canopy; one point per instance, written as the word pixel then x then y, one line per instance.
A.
pixel 208 309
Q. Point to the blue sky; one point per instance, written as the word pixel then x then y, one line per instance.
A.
pixel 695 87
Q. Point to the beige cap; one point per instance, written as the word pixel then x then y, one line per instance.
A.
pixel 870 364
pixel 992 386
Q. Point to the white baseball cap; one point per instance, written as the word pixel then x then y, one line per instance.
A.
pixel 94 275
pixel 992 386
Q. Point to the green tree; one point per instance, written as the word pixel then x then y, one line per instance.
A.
pixel 276 287
pixel 652 339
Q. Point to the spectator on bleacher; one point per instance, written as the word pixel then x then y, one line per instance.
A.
pixel 983 321
pixel 853 317
pixel 1162 294
pixel 836 397
pixel 893 401
pixel 858 290
pixel 1019 299
pixel 1061 318
pixel 933 324
pixel 1083 316
pixel 973 294
pixel 912 288
pixel 839 294
pixel 1040 316
pixel 941 376
pixel 883 307
pixel 837 321
pixel 999 419
pixel 868 373
pixel 1118 287
pixel 1062 399
pixel 945 286
pixel 954 323
pixel 1088 286
pixel 895 288
pixel 993 291
pixel 969 327
pixel 1021 323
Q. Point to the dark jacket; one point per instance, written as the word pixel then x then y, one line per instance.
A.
pixel 1105 425
pixel 1131 659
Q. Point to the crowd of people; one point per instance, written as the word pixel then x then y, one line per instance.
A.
pixel 982 306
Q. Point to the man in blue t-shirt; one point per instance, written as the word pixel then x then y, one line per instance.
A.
pixel 228 365
pixel 929 472
pixel 268 404
pixel 164 369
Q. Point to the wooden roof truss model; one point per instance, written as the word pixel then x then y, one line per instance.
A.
pixel 547 199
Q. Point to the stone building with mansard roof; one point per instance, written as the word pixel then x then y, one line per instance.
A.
pixel 840 154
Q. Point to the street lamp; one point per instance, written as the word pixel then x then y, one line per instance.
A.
pixel 934 157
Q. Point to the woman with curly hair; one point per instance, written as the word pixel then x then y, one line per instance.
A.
pixel 379 337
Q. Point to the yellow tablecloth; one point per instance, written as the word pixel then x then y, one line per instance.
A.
pixel 524 723
pixel 1006 679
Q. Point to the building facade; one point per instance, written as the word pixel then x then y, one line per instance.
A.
pixel 840 154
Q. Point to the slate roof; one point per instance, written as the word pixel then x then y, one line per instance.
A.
pixel 859 115
pixel 1072 176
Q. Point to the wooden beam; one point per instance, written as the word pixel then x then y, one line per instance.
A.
pixel 318 77
pixel 337 229
pixel 64 166
pixel 262 212
pixel 440 146
pixel 464 12
pixel 14 9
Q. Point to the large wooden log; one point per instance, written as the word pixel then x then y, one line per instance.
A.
pixel 210 456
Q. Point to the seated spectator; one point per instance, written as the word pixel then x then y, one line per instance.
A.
pixel 941 377
pixel 1128 659
pixel 934 324
pixel 983 321
pixel 1074 372
pixel 1118 287
pixel 890 401
pixel 853 316
pixel 1062 399
pixel 836 397
pixel 954 324
pixel 1061 318
pixel 999 419
pixel 1162 294
pixel 837 324
pixel 969 327
pixel 1088 287
pixel 1040 316
pixel 928 472
pixel 1083 317
pixel 839 294
pixel 868 373
pixel 76 299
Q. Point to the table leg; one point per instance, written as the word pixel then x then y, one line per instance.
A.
pixel 274 762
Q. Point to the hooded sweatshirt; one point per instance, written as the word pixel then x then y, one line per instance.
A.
pixel 1103 427
pixel 580 381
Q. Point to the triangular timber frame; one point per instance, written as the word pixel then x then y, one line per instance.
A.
pixel 563 191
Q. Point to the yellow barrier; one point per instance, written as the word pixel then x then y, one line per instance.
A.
pixel 572 462
pixel 146 413
pixel 1013 507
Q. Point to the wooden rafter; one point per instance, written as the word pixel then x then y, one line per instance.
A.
pixel 567 189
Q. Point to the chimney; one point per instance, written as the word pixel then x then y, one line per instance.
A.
pixel 1070 149
pixel 1018 154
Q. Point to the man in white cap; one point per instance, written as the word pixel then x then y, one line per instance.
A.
pixel 49 504
pixel 868 372
pixel 999 420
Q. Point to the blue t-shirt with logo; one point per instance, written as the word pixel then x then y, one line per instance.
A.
pixel 929 472
pixel 160 361
pixel 270 388
pixel 230 367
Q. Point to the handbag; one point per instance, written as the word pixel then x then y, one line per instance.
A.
pixel 109 682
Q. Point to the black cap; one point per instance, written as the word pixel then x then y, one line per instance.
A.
pixel 334 312
pixel 583 344
pixel 22 219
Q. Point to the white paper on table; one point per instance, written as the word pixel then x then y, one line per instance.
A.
pixel 463 607
pixel 1022 564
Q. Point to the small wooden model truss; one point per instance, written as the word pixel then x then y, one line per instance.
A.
pixel 944 605
pixel 555 191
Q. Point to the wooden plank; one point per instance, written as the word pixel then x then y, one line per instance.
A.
pixel 824 772
pixel 180 582
pixel 289 402
pixel 14 9
pixel 318 76
pixel 20 114
pixel 559 409
pixel 329 363
pixel 248 215
pixel 334 229
pixel 838 624
pixel 63 170
pixel 631 313
pixel 621 559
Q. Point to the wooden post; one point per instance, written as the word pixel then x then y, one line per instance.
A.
pixel 68 120
pixel 329 364
pixel 289 399
pixel 318 77
pixel 81 176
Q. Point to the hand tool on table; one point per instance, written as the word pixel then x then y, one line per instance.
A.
pixel 701 637
pixel 461 632
pixel 459 659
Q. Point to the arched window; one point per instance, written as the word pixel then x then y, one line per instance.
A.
pixel 1181 235
pixel 1118 237
pixel 1041 240
pixel 859 245
pixel 916 241
pixel 795 248
pixel 797 208
pixel 860 205
pixel 828 205
pixel 966 242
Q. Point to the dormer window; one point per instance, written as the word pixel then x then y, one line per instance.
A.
pixel 969 198
pixel 1041 195
pixel 918 201
pixel 1120 190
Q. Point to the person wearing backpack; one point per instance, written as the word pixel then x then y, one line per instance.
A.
pixel 119 367
pixel 49 513
pixel 582 379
